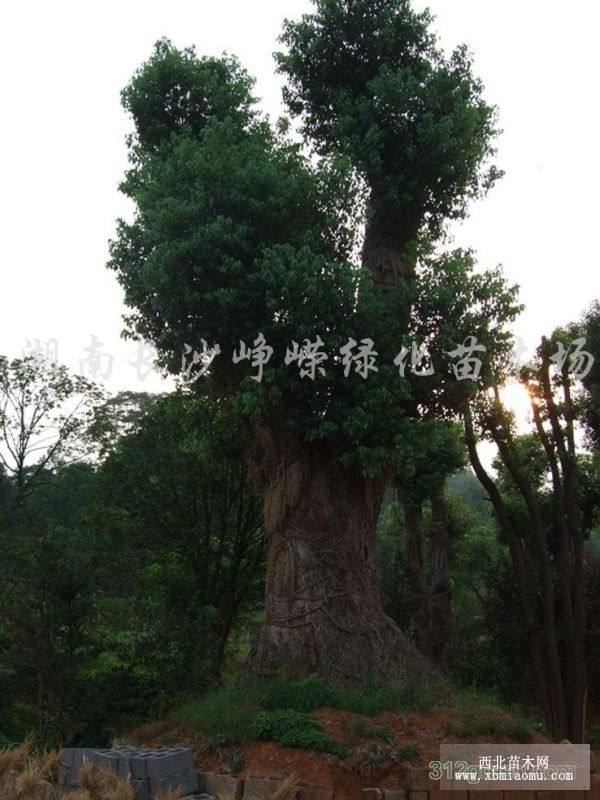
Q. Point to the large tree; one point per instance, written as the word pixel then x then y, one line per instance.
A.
pixel 241 232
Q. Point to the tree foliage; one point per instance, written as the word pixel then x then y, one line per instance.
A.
pixel 239 233
pixel 370 81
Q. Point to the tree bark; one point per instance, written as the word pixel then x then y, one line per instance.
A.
pixel 441 590
pixel 565 447
pixel 324 614
pixel 519 564
pixel 503 441
pixel 415 561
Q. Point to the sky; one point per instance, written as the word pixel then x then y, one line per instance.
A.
pixel 62 151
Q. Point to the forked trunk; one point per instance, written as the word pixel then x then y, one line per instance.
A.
pixel 323 609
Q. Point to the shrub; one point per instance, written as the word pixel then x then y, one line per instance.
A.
pixel 290 728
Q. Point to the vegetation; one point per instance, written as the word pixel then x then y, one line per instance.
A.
pixel 245 239
pixel 26 774
pixel 242 552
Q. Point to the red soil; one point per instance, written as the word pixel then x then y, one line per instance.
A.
pixel 375 751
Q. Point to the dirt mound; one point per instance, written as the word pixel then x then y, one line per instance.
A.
pixel 381 750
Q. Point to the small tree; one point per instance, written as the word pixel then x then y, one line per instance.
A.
pixel 43 412
pixel 177 490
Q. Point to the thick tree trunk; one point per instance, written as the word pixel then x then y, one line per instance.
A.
pixel 323 610
pixel 324 613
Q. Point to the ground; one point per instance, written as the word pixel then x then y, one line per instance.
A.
pixel 380 749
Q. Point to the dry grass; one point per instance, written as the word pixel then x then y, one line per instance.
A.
pixel 25 775
pixel 287 790
pixel 29 775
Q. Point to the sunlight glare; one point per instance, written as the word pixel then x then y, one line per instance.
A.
pixel 516 399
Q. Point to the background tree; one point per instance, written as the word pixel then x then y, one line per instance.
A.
pixel 427 461
pixel 43 412
pixel 550 541
pixel 125 577
pixel 239 233
pixel 178 487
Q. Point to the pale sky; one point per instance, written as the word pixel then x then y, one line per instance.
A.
pixel 63 64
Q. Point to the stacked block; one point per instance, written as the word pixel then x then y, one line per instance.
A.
pixel 150 771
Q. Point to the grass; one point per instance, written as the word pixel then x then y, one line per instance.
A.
pixel 224 715
pixel 279 710
pixel 235 714
pixel 231 716
pixel 478 714
pixel 312 693
pixel 359 729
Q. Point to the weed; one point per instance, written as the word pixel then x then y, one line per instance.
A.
pixel 312 693
pixel 223 714
pixel 477 715
pixel 290 728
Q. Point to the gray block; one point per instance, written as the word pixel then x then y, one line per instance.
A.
pixel 72 759
pixel 124 766
pixel 149 770
pixel 141 789
pixel 202 796
pixel 215 785
pixel 108 760
pixel 186 783
pixel 139 764
pixel 170 762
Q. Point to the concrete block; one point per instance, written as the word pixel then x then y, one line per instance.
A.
pixel 395 794
pixel 108 760
pixel 124 770
pixel 199 797
pixel 141 789
pixel 169 762
pixel 185 782
pixel 76 756
pixel 139 764
pixel 67 754
pixel 215 785
pixel 259 788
